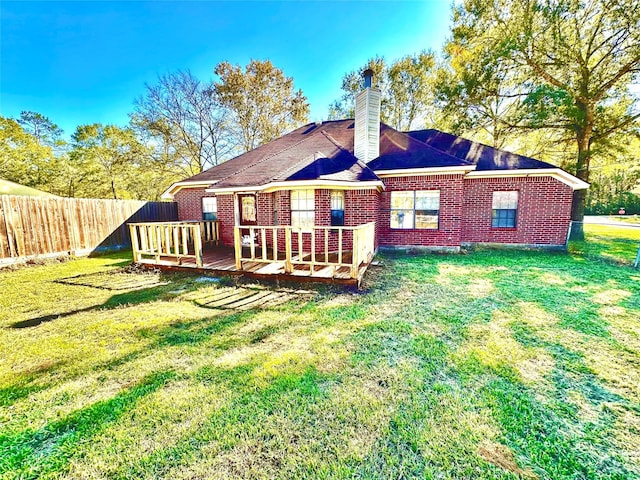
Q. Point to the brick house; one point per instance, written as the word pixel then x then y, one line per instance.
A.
pixel 422 188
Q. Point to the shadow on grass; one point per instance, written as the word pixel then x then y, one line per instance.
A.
pixel 129 298
pixel 26 385
pixel 244 416
pixel 35 453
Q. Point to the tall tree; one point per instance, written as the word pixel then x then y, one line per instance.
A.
pixel 108 160
pixel 406 87
pixel 410 93
pixel 572 62
pixel 44 130
pixel 21 155
pixel 189 127
pixel 262 99
pixel 476 92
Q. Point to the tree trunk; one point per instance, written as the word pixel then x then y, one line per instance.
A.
pixel 113 190
pixel 583 136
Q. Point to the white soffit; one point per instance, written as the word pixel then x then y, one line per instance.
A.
pixel 176 187
pixel 560 175
pixel 410 172
pixel 300 184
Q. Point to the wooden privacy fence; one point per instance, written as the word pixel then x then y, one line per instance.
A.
pixel 334 247
pixel 172 241
pixel 42 226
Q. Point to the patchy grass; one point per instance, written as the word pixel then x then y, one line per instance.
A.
pixel 609 243
pixel 498 364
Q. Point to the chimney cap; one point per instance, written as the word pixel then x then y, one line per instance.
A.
pixel 368 75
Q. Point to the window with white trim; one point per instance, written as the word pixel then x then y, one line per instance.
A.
pixel 419 209
pixel 504 209
pixel 303 208
pixel 209 208
pixel 337 208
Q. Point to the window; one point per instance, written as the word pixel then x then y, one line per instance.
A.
pixel 302 208
pixel 415 209
pixel 209 208
pixel 337 208
pixel 504 209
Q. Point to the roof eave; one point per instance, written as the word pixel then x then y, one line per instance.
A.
pixel 300 184
pixel 406 172
pixel 170 192
pixel 574 182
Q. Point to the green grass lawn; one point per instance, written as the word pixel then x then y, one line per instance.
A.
pixel 495 364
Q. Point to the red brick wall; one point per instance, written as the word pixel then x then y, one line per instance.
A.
pixel 190 203
pixel 190 208
pixel 227 218
pixel 361 206
pixel 544 211
pixel 264 206
pixel 450 223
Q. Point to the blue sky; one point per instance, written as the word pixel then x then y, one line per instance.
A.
pixel 81 62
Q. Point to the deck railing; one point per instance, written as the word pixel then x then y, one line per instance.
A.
pixel 333 247
pixel 171 242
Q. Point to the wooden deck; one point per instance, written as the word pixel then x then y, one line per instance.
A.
pixel 221 261
pixel 277 252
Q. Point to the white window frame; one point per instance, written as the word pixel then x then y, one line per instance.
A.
pixel 337 205
pixel 303 211
pixel 210 205
pixel 504 209
pixel 406 214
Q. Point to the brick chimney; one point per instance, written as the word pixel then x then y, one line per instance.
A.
pixel 367 129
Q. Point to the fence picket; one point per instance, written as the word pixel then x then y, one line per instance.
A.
pixel 32 226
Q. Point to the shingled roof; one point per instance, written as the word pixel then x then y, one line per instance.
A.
pixel 324 151
pixel 482 156
pixel 399 151
pixel 312 152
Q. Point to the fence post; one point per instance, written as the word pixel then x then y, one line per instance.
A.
pixel 635 265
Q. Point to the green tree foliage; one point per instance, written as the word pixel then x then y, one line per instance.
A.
pixel 44 130
pixel 566 65
pixel 23 159
pixel 183 119
pixel 615 178
pixel 109 162
pixel 352 84
pixel 406 87
pixel 476 91
pixel 262 99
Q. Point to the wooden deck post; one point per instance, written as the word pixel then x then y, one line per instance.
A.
pixel 355 262
pixel 313 250
pixel 288 266
pixel 237 245
pixel 133 231
pixel 197 244
pixel 158 240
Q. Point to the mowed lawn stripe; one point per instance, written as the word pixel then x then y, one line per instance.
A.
pixel 495 364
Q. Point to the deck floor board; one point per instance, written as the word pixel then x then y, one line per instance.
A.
pixel 221 260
